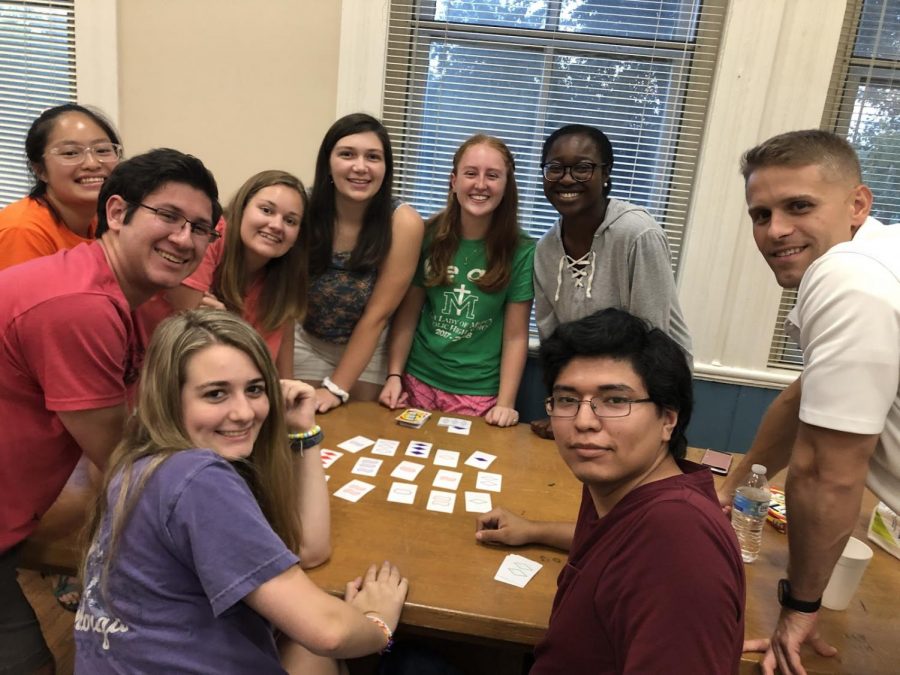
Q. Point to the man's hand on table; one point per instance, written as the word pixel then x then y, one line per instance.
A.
pixel 499 526
pixel 783 650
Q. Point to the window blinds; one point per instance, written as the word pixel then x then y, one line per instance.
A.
pixel 640 70
pixel 863 104
pixel 37 71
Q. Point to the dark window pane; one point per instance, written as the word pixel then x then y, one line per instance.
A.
pixel 878 34
pixel 646 19
pixel 506 13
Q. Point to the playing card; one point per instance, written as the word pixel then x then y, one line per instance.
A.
pixel 446 479
pixel 516 570
pixel 407 470
pixel 419 449
pixel 366 466
pixel 488 481
pixel 354 490
pixel 480 460
pixel 448 458
pixel 329 457
pixel 461 427
pixel 385 447
pixel 447 421
pixel 355 444
pixel 402 493
pixel 478 502
pixel 441 501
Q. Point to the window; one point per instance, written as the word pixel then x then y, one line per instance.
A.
pixel 37 71
pixel 864 105
pixel 518 69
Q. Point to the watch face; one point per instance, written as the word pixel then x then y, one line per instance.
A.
pixel 782 590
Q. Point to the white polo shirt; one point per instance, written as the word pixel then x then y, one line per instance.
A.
pixel 847 321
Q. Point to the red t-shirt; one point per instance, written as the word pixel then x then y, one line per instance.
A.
pixel 28 230
pixel 655 586
pixel 67 342
pixel 202 280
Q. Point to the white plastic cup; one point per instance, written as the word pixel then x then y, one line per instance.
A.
pixel 846 575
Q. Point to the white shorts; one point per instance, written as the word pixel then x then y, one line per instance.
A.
pixel 316 359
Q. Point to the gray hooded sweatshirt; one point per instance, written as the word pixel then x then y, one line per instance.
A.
pixel 628 267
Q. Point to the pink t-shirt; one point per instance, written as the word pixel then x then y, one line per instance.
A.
pixel 67 342
pixel 202 280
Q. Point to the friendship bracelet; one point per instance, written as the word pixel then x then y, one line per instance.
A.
pixel 390 375
pixel 388 633
pixel 336 390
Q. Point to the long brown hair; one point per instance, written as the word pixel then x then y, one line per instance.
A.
pixel 283 296
pixel 156 430
pixel 445 227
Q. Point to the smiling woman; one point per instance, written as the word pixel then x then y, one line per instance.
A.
pixel 258 268
pixel 71 150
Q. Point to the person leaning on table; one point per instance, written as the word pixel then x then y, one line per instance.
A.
pixel 838 426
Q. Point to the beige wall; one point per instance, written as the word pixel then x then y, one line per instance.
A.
pixel 244 85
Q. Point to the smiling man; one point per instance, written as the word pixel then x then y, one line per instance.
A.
pixel 70 351
pixel 654 581
pixel 838 425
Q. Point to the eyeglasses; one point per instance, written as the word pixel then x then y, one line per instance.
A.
pixel 560 405
pixel 176 222
pixel 76 154
pixel 581 171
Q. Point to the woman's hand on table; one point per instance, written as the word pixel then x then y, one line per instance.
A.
pixel 325 400
pixel 392 394
pixel 381 591
pixel 501 416
pixel 299 405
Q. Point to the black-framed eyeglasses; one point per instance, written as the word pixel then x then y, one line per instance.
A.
pixel 175 222
pixel 580 171
pixel 76 154
pixel 562 405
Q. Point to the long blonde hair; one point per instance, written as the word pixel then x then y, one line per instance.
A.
pixel 156 430
pixel 502 238
pixel 283 296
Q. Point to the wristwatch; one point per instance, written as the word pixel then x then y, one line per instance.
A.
pixel 785 599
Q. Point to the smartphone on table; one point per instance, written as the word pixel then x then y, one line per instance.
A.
pixel 718 462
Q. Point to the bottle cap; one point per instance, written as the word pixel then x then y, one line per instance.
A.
pixel 759 468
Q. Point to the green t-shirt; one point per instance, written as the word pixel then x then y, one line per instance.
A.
pixel 458 341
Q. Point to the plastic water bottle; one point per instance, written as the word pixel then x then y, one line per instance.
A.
pixel 748 512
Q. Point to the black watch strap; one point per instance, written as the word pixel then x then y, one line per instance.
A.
pixel 789 601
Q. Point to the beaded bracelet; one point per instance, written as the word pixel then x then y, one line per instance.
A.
pixel 388 633
pixel 306 439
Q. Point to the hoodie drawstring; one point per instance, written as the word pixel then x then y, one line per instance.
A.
pixel 581 268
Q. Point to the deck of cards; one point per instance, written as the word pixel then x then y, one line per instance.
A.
pixel 413 418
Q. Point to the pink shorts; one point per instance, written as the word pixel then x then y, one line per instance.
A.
pixel 425 396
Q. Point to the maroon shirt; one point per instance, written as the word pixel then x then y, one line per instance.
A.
pixel 655 586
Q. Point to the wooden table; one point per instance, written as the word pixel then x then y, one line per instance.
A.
pixel 452 590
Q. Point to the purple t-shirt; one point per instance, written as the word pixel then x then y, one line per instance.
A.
pixel 195 545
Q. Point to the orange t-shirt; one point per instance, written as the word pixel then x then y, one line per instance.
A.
pixel 28 230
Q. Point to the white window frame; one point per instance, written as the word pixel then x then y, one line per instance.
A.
pixel 730 306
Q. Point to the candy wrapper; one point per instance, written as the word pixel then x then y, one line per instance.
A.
pixel 777 515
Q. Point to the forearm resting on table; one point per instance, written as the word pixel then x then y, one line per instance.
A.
pixel 824 491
